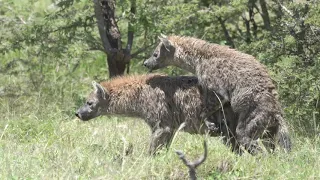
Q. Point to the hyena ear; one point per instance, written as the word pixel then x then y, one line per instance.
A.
pixel 165 41
pixel 163 36
pixel 99 89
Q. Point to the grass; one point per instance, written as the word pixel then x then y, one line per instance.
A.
pixel 41 139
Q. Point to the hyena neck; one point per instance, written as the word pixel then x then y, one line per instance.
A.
pixel 124 103
pixel 184 61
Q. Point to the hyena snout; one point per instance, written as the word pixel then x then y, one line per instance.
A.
pixel 77 114
pixel 150 64
pixel 84 115
pixel 146 64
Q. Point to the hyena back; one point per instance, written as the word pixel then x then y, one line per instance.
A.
pixel 164 103
pixel 238 77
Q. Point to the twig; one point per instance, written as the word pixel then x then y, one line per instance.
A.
pixel 285 9
pixel 224 115
pixel 193 165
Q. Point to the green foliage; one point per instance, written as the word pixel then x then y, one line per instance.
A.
pixel 300 90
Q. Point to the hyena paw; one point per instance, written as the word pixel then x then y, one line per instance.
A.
pixel 211 126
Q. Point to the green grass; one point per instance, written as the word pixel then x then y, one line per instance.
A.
pixel 41 139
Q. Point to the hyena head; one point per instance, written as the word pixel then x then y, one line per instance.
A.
pixel 94 105
pixel 162 56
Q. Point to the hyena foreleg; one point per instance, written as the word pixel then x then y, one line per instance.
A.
pixel 160 137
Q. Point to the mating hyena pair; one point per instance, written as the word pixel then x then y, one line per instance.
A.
pixel 237 77
pixel 164 102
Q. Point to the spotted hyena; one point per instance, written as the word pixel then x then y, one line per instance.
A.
pixel 237 77
pixel 163 102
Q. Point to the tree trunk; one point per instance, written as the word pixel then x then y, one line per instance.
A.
pixel 117 58
pixel 226 33
pixel 265 15
pixel 251 17
pixel 248 33
pixel 117 63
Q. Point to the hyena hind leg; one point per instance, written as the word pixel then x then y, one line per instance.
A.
pixel 160 137
pixel 269 138
pixel 248 131
pixel 230 141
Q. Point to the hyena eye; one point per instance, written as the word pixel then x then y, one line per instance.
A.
pixel 89 103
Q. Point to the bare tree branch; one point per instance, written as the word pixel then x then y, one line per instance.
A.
pixel 135 54
pixel 247 24
pixel 130 27
pixel 285 9
pixel 226 32
pixel 127 51
pixel 101 26
pixel 193 165
pixel 251 17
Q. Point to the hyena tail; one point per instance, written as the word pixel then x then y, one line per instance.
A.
pixel 284 139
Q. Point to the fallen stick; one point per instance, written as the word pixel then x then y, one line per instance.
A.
pixel 193 165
